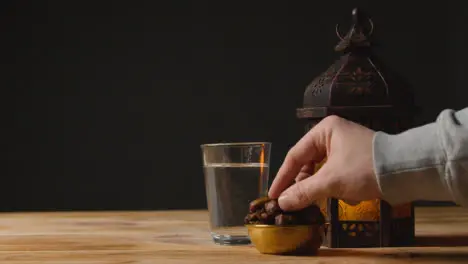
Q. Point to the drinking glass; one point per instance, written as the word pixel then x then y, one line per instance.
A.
pixel 235 175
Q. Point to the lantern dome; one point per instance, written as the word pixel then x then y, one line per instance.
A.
pixel 356 81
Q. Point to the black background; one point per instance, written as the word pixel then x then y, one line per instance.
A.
pixel 105 103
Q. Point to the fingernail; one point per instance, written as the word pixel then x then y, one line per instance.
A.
pixel 284 201
pixel 282 197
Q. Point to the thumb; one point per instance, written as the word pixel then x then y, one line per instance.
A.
pixel 304 193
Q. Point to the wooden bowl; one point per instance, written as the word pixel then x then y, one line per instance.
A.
pixel 286 240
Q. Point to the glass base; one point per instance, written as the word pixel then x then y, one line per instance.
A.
pixel 230 240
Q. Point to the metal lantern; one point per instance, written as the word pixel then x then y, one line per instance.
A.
pixel 358 88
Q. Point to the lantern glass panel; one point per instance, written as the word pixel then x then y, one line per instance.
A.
pixel 363 211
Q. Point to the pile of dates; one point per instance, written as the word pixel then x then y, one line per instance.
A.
pixel 267 211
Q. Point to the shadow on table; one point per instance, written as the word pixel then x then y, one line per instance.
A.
pixel 442 241
pixel 445 256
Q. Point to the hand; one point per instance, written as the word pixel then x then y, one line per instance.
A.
pixel 348 173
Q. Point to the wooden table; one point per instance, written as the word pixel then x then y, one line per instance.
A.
pixel 169 237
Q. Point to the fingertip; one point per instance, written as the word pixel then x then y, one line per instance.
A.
pixel 289 199
pixel 272 194
pixel 302 194
pixel 289 202
pixel 284 202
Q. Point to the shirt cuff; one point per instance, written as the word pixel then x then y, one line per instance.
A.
pixel 410 166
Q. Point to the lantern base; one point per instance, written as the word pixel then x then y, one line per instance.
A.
pixel 367 234
pixel 403 232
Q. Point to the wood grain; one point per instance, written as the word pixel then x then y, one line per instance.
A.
pixel 182 237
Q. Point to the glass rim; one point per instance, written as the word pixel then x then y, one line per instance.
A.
pixel 227 144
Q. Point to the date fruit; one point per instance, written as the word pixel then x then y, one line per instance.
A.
pixel 257 204
pixel 267 211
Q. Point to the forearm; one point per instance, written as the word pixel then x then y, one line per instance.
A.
pixel 425 163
